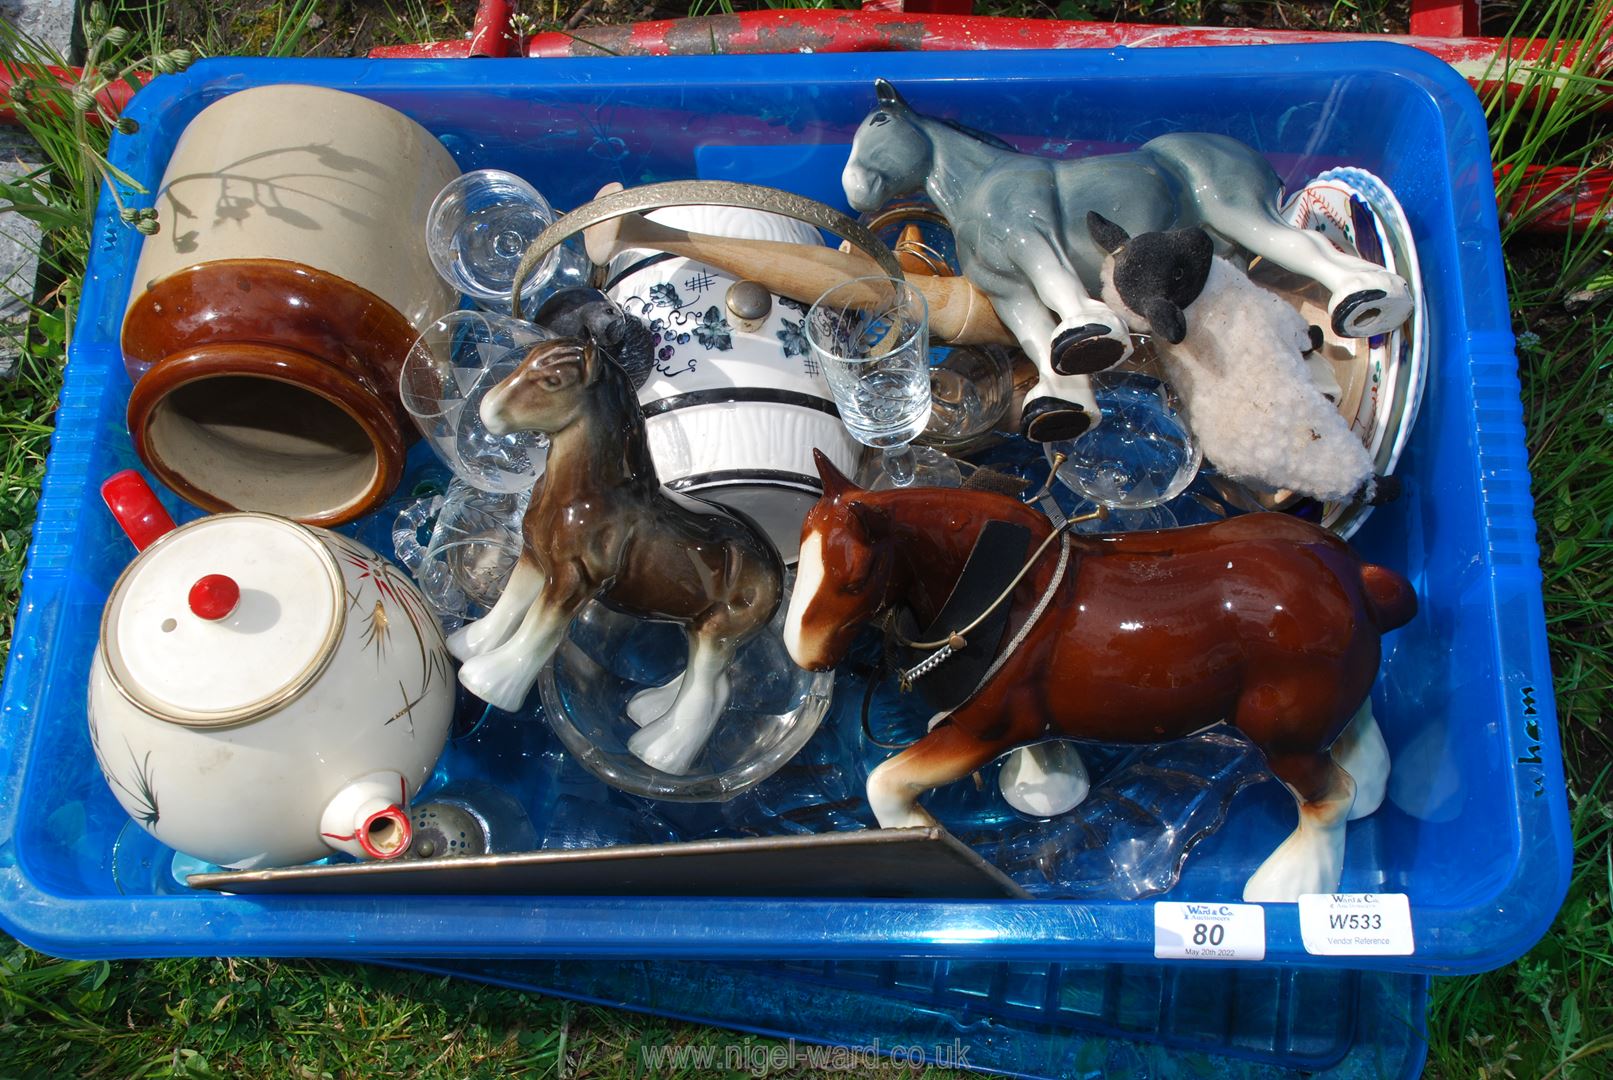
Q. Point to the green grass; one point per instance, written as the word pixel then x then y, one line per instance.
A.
pixel 273 1019
pixel 1562 134
pixel 1553 1009
pixel 298 27
pixel 423 20
pixel 59 198
pixel 1549 1015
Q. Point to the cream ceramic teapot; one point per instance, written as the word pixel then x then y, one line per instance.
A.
pixel 264 692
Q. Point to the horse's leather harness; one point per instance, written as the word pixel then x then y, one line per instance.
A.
pixel 985 579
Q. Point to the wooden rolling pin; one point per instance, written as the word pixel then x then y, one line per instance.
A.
pixel 960 314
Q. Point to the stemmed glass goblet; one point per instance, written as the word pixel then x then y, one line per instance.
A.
pixel 1138 459
pixel 871 337
pixel 478 228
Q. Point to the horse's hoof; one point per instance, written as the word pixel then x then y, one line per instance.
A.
pixel 644 712
pixel 1285 884
pixel 647 706
pixel 1306 862
pixel 1385 490
pixel 496 681
pixel 662 746
pixel 1050 419
pixel 1380 303
pixel 1082 350
pixel 462 644
pixel 1044 780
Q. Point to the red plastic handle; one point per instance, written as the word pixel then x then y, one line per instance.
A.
pixel 136 508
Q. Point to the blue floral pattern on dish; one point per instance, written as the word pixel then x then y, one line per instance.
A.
pixel 713 330
pixel 665 294
pixel 687 331
pixel 794 338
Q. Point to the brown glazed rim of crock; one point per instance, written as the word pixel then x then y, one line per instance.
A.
pixel 308 373
pixel 336 320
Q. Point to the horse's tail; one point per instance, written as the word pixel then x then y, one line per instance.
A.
pixel 1390 599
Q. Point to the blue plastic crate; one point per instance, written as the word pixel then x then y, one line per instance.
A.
pixel 1054 1021
pixel 1465 690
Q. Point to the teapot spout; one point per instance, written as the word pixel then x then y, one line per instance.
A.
pixel 367 818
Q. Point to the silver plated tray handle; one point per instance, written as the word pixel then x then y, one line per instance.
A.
pixel 638 200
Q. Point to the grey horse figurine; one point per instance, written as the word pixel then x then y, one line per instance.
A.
pixel 1019 224
pixel 600 524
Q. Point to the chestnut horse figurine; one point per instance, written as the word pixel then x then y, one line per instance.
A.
pixel 1264 621
pixel 600 524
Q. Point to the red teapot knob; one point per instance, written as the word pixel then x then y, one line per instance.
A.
pixel 214 596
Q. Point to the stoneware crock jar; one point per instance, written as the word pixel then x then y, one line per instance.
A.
pixel 264 692
pixel 271 311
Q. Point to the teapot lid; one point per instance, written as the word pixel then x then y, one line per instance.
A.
pixel 224 619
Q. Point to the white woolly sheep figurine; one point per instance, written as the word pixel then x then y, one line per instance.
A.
pixel 1236 355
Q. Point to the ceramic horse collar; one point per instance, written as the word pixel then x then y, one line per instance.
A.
pixel 1264 621
pixel 600 524
pixel 1019 225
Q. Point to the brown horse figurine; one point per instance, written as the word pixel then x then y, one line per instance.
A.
pixel 1264 621
pixel 600 524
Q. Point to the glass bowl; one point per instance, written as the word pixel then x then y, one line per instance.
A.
pixel 607 657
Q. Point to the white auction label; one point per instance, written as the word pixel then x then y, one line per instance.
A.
pixel 1356 924
pixel 1209 931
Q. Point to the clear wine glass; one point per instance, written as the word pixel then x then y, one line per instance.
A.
pixel 451 366
pixel 478 228
pixel 473 543
pixel 1138 459
pixel 971 387
pixel 871 337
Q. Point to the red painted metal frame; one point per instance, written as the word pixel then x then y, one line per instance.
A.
pixel 112 99
pixel 1559 200
pixel 493 32
pixel 1444 18
pixel 874 30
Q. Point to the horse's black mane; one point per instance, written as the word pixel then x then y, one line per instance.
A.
pixel 583 312
pixel 616 386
